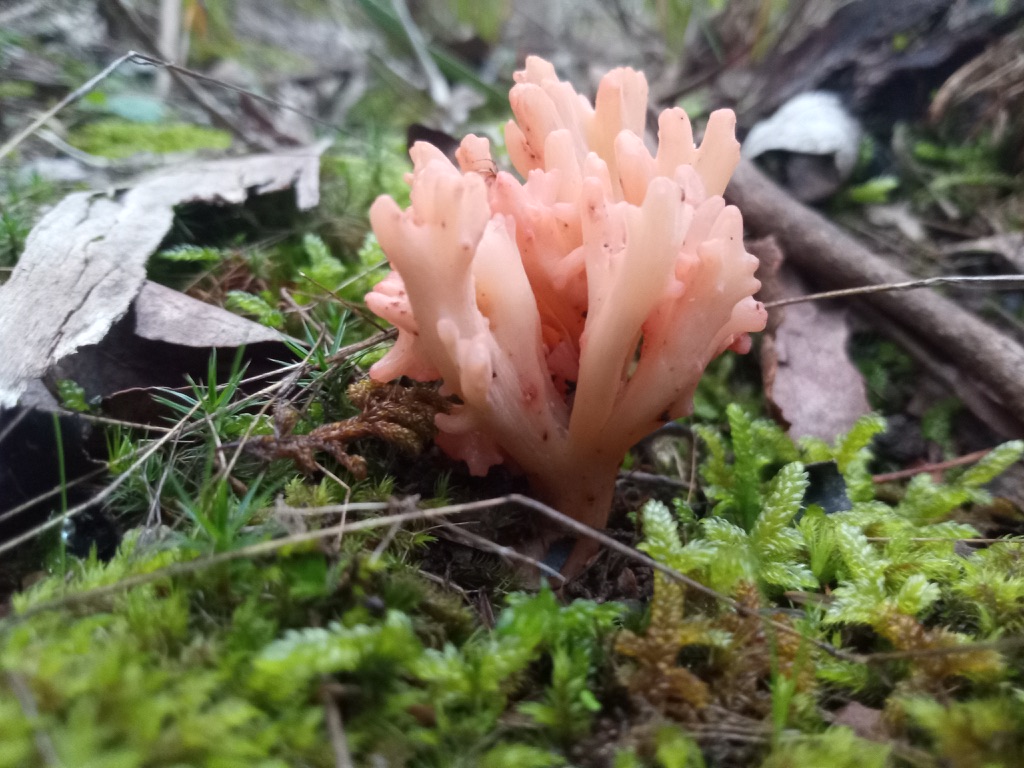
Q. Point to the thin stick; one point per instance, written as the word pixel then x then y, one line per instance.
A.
pixel 18 418
pixel 939 466
pixel 56 490
pixel 344 514
pixel 1003 644
pixel 168 41
pixel 74 152
pixel 44 744
pixel 399 518
pixel 650 478
pixel 9 145
pixel 253 550
pixel 486 545
pixel 158 62
pixel 109 422
pixel 933 539
pixel 182 72
pixel 346 352
pixel 999 282
pixel 335 729
pixel 440 94
pixel 200 98
pixel 634 554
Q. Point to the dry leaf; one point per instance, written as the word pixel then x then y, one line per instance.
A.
pixel 163 314
pixel 166 337
pixel 809 380
pixel 866 722
pixel 85 261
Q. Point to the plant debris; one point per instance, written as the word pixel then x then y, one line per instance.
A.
pixel 397 414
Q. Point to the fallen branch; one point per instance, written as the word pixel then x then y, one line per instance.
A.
pixel 834 260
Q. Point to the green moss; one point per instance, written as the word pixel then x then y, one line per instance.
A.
pixel 836 748
pixel 227 665
pixel 16 90
pixel 985 733
pixel 119 139
pixel 21 201
pixel 145 679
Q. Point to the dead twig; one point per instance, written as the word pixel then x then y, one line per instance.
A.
pixel 168 41
pixel 154 61
pixel 386 521
pixel 25 697
pixel 939 466
pixel 200 97
pixel 267 547
pixel 335 728
pixel 82 90
pixel 476 541
pixel 55 491
pixel 440 93
pixel 1002 644
pixel 360 346
pixel 997 282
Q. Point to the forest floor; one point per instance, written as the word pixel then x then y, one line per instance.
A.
pixel 219 545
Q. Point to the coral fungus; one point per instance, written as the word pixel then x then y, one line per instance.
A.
pixel 572 314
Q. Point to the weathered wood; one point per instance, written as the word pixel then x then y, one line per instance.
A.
pixel 85 261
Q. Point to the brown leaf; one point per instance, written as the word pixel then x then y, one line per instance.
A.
pixel 809 380
pixel 866 722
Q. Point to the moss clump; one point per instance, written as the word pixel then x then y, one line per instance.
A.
pixel 119 139
pixel 240 664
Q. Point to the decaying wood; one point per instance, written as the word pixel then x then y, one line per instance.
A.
pixel 85 261
pixel 834 259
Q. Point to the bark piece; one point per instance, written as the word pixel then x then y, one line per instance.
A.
pixel 85 261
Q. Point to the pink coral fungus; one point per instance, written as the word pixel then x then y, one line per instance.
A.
pixel 573 314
